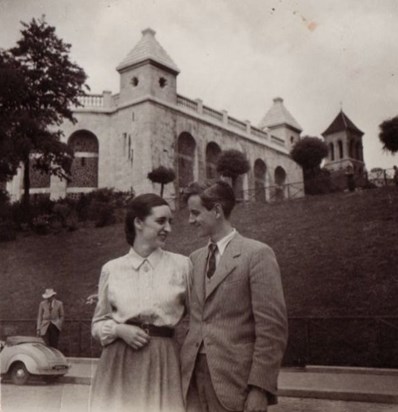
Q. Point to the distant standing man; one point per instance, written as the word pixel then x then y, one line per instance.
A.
pixel 50 318
pixel 238 329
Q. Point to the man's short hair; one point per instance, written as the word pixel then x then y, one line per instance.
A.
pixel 211 193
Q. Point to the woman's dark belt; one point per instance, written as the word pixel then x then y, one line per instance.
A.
pixel 152 330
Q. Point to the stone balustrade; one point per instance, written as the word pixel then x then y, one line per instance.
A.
pixel 223 117
pixel 106 100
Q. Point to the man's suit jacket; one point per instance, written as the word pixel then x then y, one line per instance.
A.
pixel 47 316
pixel 241 320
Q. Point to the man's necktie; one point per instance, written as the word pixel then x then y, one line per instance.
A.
pixel 211 262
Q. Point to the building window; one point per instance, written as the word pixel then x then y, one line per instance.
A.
pixel 134 81
pixel 331 151
pixel 162 82
pixel 83 161
pixel 340 146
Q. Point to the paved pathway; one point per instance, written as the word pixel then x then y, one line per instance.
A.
pixel 74 398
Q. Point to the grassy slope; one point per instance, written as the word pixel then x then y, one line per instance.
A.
pixel 338 255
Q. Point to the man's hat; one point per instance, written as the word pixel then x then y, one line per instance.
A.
pixel 48 293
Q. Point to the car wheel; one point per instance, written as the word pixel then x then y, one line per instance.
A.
pixel 19 374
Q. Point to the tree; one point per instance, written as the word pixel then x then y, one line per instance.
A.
pixel 48 85
pixel 12 91
pixel 232 163
pixel 162 175
pixel 389 134
pixel 308 153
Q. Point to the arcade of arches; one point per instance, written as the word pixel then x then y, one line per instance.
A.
pixel 84 170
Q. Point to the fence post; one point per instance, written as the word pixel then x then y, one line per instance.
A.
pixel 308 341
pixel 80 339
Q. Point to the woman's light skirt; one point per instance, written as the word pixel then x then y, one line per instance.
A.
pixel 144 380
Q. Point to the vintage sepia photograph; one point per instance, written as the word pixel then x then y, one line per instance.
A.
pixel 198 206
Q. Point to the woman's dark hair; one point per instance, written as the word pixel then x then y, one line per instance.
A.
pixel 141 207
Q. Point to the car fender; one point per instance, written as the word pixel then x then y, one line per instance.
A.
pixel 30 364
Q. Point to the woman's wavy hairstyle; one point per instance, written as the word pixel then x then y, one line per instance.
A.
pixel 141 207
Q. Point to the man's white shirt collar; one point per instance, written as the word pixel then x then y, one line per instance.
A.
pixel 223 243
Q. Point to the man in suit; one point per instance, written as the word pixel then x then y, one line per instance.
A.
pixel 50 318
pixel 238 329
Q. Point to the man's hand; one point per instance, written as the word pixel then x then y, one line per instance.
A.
pixel 256 401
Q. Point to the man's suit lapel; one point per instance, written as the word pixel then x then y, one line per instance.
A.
pixel 226 265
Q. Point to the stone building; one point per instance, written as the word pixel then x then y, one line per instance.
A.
pixel 119 138
pixel 344 141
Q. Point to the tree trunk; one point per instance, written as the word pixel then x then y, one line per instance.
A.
pixel 26 188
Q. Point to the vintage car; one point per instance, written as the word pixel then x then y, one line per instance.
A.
pixel 24 356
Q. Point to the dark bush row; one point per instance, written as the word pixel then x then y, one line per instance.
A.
pixel 101 207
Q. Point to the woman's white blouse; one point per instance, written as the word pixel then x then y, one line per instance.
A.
pixel 152 290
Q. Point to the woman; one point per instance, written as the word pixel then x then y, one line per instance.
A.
pixel 141 298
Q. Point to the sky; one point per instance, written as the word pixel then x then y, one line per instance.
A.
pixel 237 55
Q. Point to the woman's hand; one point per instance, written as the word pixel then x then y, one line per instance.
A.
pixel 132 335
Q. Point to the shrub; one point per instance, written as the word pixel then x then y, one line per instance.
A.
pixel 102 213
pixel 319 184
pixel 7 231
pixel 41 224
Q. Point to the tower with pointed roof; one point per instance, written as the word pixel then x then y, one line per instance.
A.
pixel 344 140
pixel 148 71
pixel 279 121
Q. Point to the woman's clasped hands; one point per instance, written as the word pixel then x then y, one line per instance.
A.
pixel 134 336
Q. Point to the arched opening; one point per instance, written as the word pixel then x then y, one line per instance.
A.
pixel 38 178
pixel 331 151
pixel 259 180
pixel 213 151
pixel 340 146
pixel 359 151
pixel 280 178
pixel 352 149
pixel 186 146
pixel 84 170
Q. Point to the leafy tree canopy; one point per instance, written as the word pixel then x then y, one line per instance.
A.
pixel 162 175
pixel 309 152
pixel 39 85
pixel 389 134
pixel 232 163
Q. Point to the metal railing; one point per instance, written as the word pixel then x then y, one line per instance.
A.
pixel 324 340
pixel 381 177
pixel 272 193
pixel 343 340
pixel 75 338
